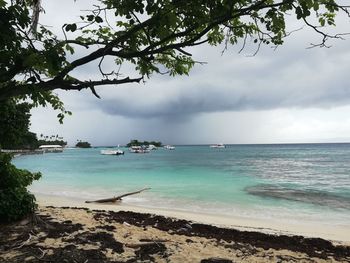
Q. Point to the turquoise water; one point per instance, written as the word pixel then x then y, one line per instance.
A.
pixel 306 181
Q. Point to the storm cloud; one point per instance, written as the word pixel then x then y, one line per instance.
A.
pixel 292 94
pixel 233 82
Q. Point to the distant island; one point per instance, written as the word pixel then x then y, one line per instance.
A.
pixel 24 140
pixel 82 144
pixel 139 143
pixel 51 140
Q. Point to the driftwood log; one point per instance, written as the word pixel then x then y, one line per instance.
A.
pixel 117 198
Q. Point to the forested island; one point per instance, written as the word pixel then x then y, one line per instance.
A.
pixel 51 140
pixel 139 143
pixel 82 144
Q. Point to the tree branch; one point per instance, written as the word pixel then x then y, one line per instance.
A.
pixel 12 89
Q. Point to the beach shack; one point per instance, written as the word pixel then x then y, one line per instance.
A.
pixel 51 148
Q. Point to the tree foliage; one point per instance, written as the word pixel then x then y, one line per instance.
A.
pixel 81 144
pixel 53 142
pixel 14 126
pixel 139 143
pixel 153 36
pixel 15 200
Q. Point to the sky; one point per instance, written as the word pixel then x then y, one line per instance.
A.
pixel 291 94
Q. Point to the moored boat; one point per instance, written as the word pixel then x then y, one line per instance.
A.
pixel 219 145
pixel 138 149
pixel 169 147
pixel 151 147
pixel 112 152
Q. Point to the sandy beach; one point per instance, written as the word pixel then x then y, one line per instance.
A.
pixel 335 233
pixel 120 233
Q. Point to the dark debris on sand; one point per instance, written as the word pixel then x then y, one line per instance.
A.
pixel 17 238
pixel 105 240
pixel 71 253
pixel 147 251
pixel 313 247
pixel 216 260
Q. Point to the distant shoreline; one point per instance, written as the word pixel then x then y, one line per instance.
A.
pixel 38 151
pixel 239 144
pixel 23 152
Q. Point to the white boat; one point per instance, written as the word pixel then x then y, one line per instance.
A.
pixel 169 147
pixel 112 152
pixel 151 147
pixel 51 148
pixel 219 145
pixel 138 149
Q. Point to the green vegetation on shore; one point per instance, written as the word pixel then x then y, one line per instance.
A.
pixel 139 143
pixel 55 142
pixel 15 200
pixel 51 140
pixel 82 144
pixel 14 126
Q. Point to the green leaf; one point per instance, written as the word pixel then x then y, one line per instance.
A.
pixel 299 12
pixel 98 19
pixel 322 21
pixel 90 17
pixel 71 27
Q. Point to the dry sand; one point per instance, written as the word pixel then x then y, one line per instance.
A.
pixel 58 233
pixel 83 235
pixel 335 233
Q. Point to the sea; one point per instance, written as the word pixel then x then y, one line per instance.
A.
pixel 308 182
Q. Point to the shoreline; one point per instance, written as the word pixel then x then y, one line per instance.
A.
pixel 335 233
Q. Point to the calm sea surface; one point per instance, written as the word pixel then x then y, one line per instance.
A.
pixel 295 182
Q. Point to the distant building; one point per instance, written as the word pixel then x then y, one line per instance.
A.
pixel 51 148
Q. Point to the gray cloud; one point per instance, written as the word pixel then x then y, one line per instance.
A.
pixel 291 76
pixel 310 78
pixel 288 95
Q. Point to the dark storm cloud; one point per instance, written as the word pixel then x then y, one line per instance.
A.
pixel 291 77
pixel 222 101
pixel 309 79
pixel 206 100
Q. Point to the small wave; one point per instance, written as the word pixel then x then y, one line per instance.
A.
pixel 300 195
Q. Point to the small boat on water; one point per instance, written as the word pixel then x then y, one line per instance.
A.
pixel 138 149
pixel 151 147
pixel 169 147
pixel 219 145
pixel 112 152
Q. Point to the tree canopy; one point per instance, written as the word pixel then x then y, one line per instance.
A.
pixel 14 126
pixel 82 144
pixel 139 143
pixel 15 200
pixel 153 36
